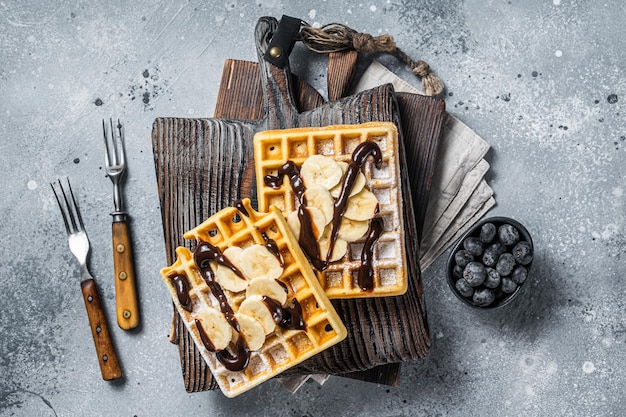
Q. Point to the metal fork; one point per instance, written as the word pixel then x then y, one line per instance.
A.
pixel 125 292
pixel 79 246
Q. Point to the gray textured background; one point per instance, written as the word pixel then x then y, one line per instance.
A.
pixel 541 81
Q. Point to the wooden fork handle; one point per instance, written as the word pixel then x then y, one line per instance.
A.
pixel 125 291
pixel 109 365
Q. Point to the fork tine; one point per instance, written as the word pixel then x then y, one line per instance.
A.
pixel 69 207
pixel 114 141
pixel 106 143
pixel 120 144
pixel 75 205
pixel 67 226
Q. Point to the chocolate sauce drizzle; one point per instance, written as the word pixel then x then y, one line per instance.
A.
pixel 182 290
pixel 307 238
pixel 206 341
pixel 237 361
pixel 366 273
pixel 359 156
pixel 239 206
pixel 290 317
pixel 272 246
pixel 204 254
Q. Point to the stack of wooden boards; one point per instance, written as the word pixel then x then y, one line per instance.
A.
pixel 204 165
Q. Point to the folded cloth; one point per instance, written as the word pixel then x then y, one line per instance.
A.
pixel 459 195
pixel 476 206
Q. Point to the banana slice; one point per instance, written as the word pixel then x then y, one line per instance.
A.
pixel 255 307
pixel 225 276
pixel 319 197
pixel 268 287
pixel 339 250
pixel 320 170
pixel 359 182
pixel 362 206
pixel 294 223
pixel 251 330
pixel 257 261
pixel 318 221
pixel 216 327
pixel 352 230
pixel 233 253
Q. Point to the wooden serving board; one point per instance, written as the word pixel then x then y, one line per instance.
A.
pixel 203 165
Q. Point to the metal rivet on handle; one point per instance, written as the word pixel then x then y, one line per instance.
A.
pixel 90 298
pixel 126 314
pixel 275 52
pixel 122 275
pixel 120 248
pixel 105 358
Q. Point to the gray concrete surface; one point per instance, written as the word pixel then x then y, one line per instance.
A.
pixel 541 80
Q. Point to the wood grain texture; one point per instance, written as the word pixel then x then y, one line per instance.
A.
pixel 422 122
pixel 381 331
pixel 126 305
pixel 107 358
pixel 341 71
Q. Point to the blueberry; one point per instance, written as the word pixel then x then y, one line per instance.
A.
pixel 474 246
pixel 487 232
pixel 492 253
pixel 519 274
pixel 464 288
pixel 484 296
pixel 508 286
pixel 462 258
pixel 457 272
pixel 523 253
pixel 505 264
pixel 508 234
pixel 474 273
pixel 493 278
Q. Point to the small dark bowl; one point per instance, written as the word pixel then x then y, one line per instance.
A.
pixel 501 299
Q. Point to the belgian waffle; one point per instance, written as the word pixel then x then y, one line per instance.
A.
pixel 243 227
pixel 272 149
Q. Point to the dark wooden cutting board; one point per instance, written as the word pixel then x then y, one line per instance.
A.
pixel 203 165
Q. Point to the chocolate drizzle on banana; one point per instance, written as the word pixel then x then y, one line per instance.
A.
pixel 236 357
pixel 290 317
pixel 307 239
pixel 359 156
pixel 204 254
pixel 272 246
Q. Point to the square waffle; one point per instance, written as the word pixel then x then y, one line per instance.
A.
pixel 272 149
pixel 282 348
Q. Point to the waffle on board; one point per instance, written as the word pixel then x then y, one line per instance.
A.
pixel 339 186
pixel 248 276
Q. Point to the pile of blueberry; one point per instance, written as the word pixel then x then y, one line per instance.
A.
pixel 491 263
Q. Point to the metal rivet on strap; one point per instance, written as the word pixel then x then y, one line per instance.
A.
pixel 120 248
pixel 126 314
pixel 122 275
pixel 275 52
